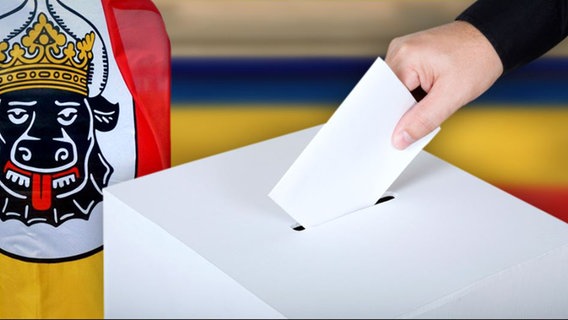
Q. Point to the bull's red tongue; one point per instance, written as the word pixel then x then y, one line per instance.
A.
pixel 41 191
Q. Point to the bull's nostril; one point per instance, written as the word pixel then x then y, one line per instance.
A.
pixel 62 154
pixel 25 153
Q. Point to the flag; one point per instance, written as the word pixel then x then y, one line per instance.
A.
pixel 84 104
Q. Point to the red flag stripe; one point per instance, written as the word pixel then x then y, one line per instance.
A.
pixel 135 28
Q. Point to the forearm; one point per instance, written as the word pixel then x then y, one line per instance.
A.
pixel 519 30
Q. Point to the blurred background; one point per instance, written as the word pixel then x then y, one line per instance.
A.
pixel 247 70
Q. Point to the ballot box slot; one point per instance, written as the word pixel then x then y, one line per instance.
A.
pixel 388 196
pixel 298 227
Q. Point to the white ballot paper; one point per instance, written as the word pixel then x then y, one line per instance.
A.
pixel 351 163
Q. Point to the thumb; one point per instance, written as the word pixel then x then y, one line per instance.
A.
pixel 423 118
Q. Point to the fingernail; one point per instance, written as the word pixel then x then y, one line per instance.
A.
pixel 402 140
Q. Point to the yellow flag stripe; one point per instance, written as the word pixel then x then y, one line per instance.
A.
pixel 37 291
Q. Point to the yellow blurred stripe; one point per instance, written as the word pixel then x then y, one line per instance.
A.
pixel 198 132
pixel 508 144
pixel 501 144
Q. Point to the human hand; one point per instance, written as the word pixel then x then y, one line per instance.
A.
pixel 453 63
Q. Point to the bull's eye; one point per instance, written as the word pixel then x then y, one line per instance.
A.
pixel 18 115
pixel 67 116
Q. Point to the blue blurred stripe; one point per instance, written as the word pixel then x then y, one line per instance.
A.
pixel 265 80
pixel 329 80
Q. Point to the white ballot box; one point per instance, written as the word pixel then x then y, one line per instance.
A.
pixel 203 240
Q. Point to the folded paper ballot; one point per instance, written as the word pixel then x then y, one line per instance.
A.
pixel 351 163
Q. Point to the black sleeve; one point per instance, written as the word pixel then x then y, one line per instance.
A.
pixel 519 30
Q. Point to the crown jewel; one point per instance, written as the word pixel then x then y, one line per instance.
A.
pixel 45 59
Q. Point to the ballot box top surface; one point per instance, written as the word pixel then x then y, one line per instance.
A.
pixel 444 231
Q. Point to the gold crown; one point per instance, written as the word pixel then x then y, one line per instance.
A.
pixel 45 59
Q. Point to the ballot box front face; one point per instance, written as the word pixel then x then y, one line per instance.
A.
pixel 447 245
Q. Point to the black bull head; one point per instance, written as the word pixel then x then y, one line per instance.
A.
pixel 52 166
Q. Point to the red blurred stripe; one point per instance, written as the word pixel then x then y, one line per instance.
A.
pixel 552 199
